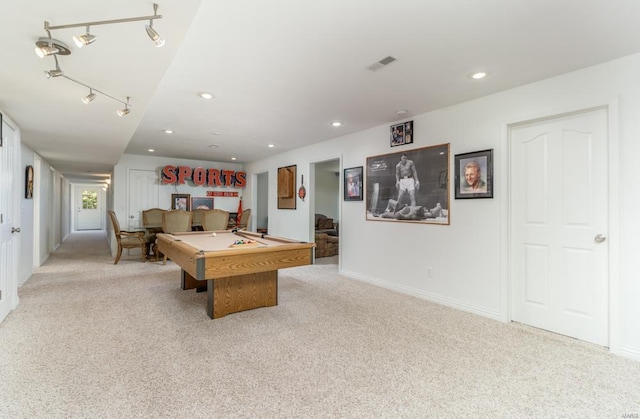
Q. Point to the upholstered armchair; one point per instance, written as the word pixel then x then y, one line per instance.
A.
pixel 127 239
pixel 215 219
pixel 152 222
pixel 177 221
pixel 245 218
pixel 196 221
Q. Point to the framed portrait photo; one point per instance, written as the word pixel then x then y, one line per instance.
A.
pixel 353 184
pixel 180 201
pixel 474 175
pixel 202 203
pixel 401 134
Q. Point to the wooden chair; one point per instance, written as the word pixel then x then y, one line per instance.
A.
pixel 245 218
pixel 178 221
pixel 127 239
pixel 152 222
pixel 215 219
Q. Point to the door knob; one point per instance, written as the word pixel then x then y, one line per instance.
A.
pixel 15 230
pixel 600 238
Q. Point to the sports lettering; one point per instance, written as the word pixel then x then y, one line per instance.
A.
pixel 203 177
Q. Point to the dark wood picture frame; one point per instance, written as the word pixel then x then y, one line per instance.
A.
pixel 28 183
pixel 478 165
pixel 430 184
pixel 181 201
pixel 200 202
pixel 401 134
pixel 353 184
pixel 287 187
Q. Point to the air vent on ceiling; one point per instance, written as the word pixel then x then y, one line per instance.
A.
pixel 383 62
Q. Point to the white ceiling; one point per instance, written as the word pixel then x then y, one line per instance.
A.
pixel 280 71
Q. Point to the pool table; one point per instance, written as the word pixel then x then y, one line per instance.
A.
pixel 237 278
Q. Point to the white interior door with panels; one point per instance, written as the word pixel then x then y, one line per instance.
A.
pixel 559 221
pixel 144 193
pixel 10 198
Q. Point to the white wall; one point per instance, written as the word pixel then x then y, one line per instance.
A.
pixel 397 255
pixel 25 264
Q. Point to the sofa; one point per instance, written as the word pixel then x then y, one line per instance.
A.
pixel 327 240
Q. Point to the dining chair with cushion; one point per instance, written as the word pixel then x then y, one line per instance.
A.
pixel 152 223
pixel 177 221
pixel 245 217
pixel 215 219
pixel 127 239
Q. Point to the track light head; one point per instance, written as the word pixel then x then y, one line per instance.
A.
pixel 123 112
pixel 49 46
pixel 46 50
pixel 82 40
pixel 155 37
pixel 53 73
pixel 88 98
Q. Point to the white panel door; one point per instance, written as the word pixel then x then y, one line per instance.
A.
pixel 144 193
pixel 10 198
pixel 89 208
pixel 559 197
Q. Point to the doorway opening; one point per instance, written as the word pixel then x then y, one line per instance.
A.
pixel 326 211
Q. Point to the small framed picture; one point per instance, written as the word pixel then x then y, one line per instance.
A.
pixel 474 175
pixel 28 187
pixel 401 134
pixel 353 184
pixel 180 201
pixel 202 203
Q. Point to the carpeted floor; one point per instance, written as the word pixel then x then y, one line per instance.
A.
pixel 95 340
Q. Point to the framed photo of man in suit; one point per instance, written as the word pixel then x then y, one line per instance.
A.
pixel 474 174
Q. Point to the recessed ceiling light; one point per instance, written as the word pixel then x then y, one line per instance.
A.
pixel 206 95
pixel 336 123
pixel 215 133
pixel 479 75
pixel 402 112
pixel 271 145
pixel 168 131
pixel 234 158
pixel 214 146
pixel 151 150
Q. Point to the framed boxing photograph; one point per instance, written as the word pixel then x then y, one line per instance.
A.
pixel 410 186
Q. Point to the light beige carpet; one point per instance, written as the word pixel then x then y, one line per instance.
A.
pixel 94 340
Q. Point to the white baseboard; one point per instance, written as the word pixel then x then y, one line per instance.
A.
pixel 435 298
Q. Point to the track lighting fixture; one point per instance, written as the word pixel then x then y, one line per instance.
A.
pixel 125 111
pixel 86 39
pixel 49 48
pixel 88 98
